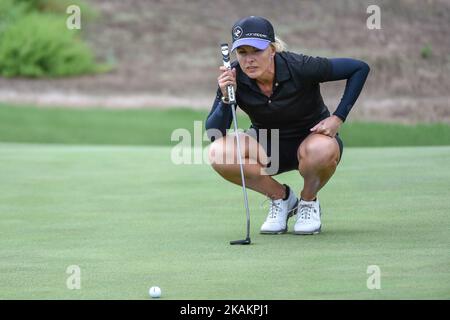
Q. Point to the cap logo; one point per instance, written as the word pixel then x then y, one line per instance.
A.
pixel 237 32
pixel 256 35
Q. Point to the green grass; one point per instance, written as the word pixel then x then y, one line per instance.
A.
pixel 93 126
pixel 154 127
pixel 131 219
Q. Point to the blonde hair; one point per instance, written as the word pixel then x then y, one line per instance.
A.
pixel 279 45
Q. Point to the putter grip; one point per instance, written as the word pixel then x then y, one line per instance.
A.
pixel 227 64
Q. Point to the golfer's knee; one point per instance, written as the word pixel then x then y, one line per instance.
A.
pixel 221 155
pixel 224 151
pixel 319 152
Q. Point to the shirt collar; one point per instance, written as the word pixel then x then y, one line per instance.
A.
pixel 281 69
pixel 281 72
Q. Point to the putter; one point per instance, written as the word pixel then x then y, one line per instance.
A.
pixel 232 98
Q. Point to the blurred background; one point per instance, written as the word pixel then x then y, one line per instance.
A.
pixel 138 69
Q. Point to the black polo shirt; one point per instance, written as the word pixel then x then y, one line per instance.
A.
pixel 296 104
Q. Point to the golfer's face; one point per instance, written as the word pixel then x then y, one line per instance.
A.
pixel 253 61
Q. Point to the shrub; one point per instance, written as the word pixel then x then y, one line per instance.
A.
pixel 10 12
pixel 54 6
pixel 40 45
pixel 32 4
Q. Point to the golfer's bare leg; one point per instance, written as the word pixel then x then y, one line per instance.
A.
pixel 318 157
pixel 223 158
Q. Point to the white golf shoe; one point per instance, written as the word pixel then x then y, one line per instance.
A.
pixel 279 212
pixel 308 218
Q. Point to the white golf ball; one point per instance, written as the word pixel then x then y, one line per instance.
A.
pixel 155 292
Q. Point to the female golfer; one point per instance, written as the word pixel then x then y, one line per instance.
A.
pixel 292 128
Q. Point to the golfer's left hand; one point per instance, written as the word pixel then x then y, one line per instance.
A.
pixel 329 126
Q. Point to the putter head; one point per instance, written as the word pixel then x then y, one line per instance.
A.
pixel 242 242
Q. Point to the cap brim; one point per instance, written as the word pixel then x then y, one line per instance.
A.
pixel 257 43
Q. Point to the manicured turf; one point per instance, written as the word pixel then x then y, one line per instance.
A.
pixel 155 127
pixel 131 219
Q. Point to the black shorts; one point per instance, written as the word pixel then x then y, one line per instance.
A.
pixel 287 150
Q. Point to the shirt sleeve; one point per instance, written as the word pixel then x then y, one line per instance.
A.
pixel 219 118
pixel 355 72
pixel 314 69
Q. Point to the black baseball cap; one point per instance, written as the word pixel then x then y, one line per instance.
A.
pixel 252 31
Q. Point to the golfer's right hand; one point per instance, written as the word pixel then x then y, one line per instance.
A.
pixel 226 78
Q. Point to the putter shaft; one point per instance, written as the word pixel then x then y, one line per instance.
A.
pixel 232 98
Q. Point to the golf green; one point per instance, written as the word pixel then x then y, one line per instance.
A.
pixel 130 219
